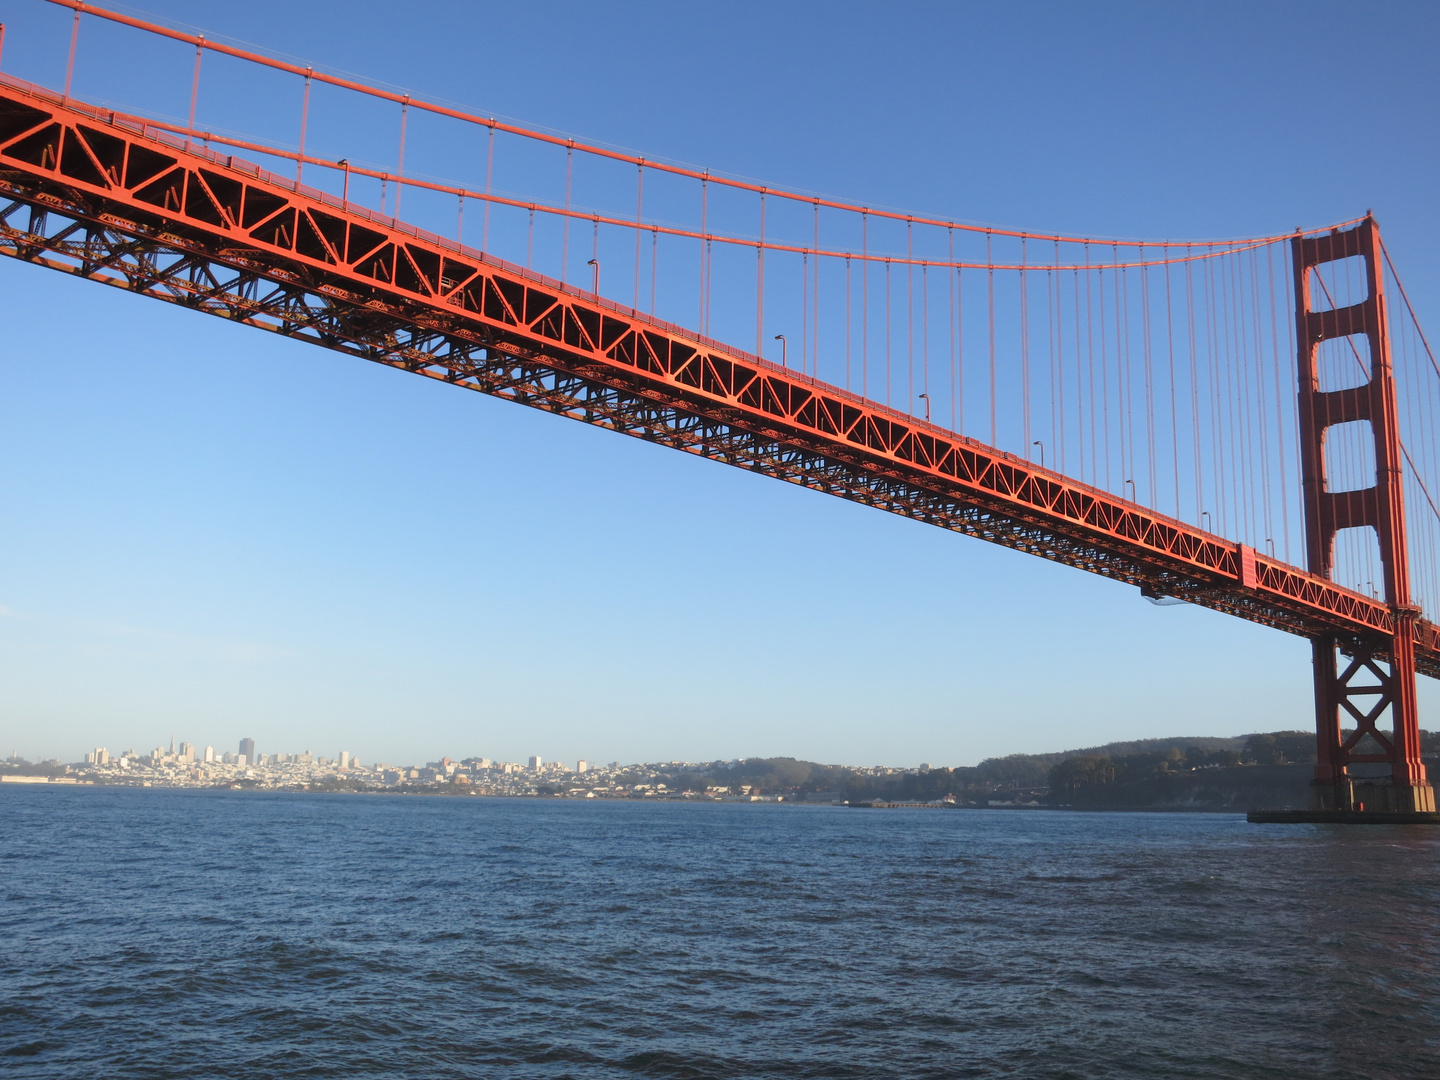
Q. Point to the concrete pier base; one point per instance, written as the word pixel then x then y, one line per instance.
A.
pixel 1342 817
pixel 1372 796
pixel 1360 802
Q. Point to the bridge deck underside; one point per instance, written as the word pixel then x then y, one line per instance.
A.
pixel 95 194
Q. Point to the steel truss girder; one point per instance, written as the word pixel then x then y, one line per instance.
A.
pixel 495 329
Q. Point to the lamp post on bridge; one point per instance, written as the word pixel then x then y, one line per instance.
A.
pixel 596 264
pixel 784 349
pixel 926 398
pixel 1041 444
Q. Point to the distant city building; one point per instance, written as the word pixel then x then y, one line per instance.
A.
pixel 582 766
pixel 344 759
pixel 536 763
pixel 102 756
pixel 187 751
pixel 247 748
pixel 209 755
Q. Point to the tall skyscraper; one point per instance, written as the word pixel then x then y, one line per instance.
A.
pixel 209 754
pixel 535 762
pixel 344 759
pixel 187 752
pixel 247 750
pixel 582 766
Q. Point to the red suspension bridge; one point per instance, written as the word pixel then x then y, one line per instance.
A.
pixel 1247 424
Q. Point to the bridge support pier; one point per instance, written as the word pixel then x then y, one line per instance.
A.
pixel 1352 683
pixel 1364 769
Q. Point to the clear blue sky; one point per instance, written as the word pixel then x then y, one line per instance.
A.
pixel 211 532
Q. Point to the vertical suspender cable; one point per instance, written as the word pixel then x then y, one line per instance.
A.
pixel 950 300
pixel 1149 386
pixel 1239 399
pixel 847 322
pixel 70 64
pixel 1089 349
pixel 565 233
pixel 1174 405
pixel 1079 378
pixel 304 120
pixel 960 346
pixel 760 283
pixel 489 177
pixel 704 243
pixel 990 301
pixel 1058 404
pixel 865 305
pixel 1024 354
pixel 1217 398
pixel 910 317
pixel 639 207
pixel 1104 378
pixel 400 166
pixel 888 372
pixel 1194 386
pixel 1266 446
pixel 195 94
pixel 925 332
pixel 815 300
pixel 1122 372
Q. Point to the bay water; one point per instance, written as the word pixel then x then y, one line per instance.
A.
pixel 191 934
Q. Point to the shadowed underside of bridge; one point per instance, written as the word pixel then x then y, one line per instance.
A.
pixel 107 197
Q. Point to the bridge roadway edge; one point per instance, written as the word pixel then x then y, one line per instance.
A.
pixel 551 347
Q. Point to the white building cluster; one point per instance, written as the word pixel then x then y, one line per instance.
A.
pixel 188 765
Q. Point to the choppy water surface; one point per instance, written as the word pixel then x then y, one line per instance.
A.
pixel 180 934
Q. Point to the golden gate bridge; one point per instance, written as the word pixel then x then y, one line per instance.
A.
pixel 1244 424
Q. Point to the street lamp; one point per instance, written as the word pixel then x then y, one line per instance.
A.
pixel 926 399
pixel 1040 443
pixel 1134 491
pixel 596 264
pixel 1203 515
pixel 344 163
pixel 784 349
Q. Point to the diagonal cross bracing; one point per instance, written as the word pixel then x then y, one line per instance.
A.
pixel 99 195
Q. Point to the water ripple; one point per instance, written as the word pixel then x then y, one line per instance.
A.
pixel 163 934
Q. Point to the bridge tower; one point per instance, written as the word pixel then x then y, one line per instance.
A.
pixel 1358 678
